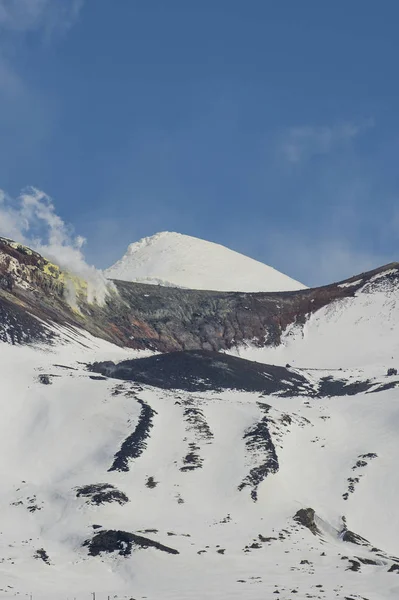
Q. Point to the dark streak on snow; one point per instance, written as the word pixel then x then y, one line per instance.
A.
pixel 258 441
pixel 135 444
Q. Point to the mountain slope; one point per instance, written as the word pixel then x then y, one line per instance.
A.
pixel 358 330
pixel 180 260
pixel 351 323
pixel 195 474
pixel 157 493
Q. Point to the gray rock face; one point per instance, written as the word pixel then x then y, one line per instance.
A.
pixel 148 316
pixel 306 518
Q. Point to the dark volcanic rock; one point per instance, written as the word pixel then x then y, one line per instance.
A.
pixel 155 317
pixel 122 542
pixel 202 370
pixel 258 441
pixel 337 387
pixel 135 444
pixel 354 538
pixel 354 565
pixel 42 555
pixel 198 370
pixel 384 387
pixel 192 460
pixel 18 326
pixel 151 483
pixel 306 517
pixel 102 493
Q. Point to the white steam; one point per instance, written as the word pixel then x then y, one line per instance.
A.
pixel 31 220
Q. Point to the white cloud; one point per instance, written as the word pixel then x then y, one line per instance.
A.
pixel 31 219
pixel 31 15
pixel 302 143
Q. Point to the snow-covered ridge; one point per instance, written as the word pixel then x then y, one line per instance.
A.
pixel 179 260
pixel 359 330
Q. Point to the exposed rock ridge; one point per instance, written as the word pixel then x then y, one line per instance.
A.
pixel 159 318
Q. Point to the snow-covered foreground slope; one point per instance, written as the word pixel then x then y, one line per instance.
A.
pixel 195 474
pixel 180 260
pixel 213 478
pixel 359 331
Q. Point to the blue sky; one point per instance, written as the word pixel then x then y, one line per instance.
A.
pixel 270 127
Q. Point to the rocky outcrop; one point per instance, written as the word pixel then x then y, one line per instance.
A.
pixel 259 444
pixel 202 370
pixel 122 542
pixel 306 518
pixel 154 317
pixel 101 493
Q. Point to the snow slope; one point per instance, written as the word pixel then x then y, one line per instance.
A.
pixel 211 482
pixel 359 331
pixel 62 436
pixel 174 259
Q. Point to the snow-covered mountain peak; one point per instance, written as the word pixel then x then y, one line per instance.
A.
pixel 178 260
pixel 151 240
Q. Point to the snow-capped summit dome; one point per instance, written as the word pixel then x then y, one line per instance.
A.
pixel 178 260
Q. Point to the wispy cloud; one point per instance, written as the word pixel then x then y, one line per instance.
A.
pixel 32 15
pixel 31 219
pixel 302 143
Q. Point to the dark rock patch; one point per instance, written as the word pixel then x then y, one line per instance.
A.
pixel 329 387
pixel 42 555
pixel 196 422
pixel 367 561
pixel 258 441
pixel 148 531
pixel 354 538
pixel 369 455
pixel 122 542
pixel 362 461
pixel 151 483
pixel 202 370
pixel 354 565
pixel 383 387
pixel 265 539
pixel 192 460
pixel 199 371
pixel 19 326
pixel 306 518
pixel 101 493
pixel 135 444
